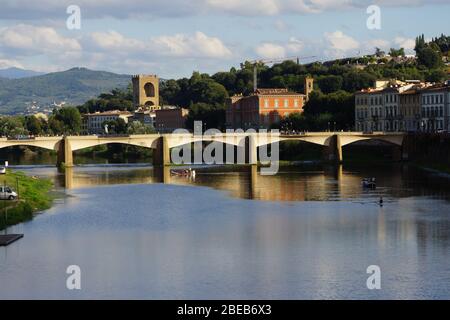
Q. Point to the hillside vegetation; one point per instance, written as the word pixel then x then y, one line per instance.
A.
pixel 74 86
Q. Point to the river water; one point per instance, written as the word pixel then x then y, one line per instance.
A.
pixel 309 232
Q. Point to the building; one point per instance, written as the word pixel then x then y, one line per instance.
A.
pixel 145 117
pixel 93 123
pixel 410 109
pixel 168 119
pixel 146 91
pixel 265 107
pixel 435 107
pixel 378 108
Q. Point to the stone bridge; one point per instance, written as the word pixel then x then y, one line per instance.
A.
pixel 162 143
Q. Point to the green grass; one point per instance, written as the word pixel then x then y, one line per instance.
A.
pixel 34 197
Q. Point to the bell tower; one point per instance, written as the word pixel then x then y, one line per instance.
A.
pixel 309 86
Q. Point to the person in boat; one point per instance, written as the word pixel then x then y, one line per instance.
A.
pixel 381 201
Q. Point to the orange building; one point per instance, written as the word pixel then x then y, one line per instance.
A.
pixel 264 107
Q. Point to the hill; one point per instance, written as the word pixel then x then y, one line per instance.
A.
pixel 17 73
pixel 74 86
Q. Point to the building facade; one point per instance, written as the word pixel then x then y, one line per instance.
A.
pixel 435 108
pixel 265 107
pixel 169 119
pixel 403 106
pixel 410 109
pixel 93 123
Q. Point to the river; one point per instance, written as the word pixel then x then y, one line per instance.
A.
pixel 309 232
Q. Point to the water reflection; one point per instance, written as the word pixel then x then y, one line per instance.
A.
pixel 150 235
pixel 302 183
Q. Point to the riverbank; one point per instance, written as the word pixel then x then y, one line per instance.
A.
pixel 34 197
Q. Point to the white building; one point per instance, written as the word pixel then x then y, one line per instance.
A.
pixel 377 109
pixel 435 107
pixel 93 123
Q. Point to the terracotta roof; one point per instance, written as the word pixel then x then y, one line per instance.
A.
pixel 275 91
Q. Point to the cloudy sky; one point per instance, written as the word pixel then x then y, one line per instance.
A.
pixel 174 37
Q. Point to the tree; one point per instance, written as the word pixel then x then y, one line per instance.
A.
pixel 379 53
pixel 12 126
pixel 330 83
pixel 420 43
pixel 211 116
pixel 33 125
pixel 117 126
pixel 137 127
pixel 65 121
pixel 430 58
pixel 436 76
pixel 397 52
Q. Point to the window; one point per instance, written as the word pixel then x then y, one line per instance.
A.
pixel 276 103
pixel 295 103
pixel 266 103
pixel 286 103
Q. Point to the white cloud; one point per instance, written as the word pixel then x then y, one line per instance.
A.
pixel 198 45
pixel 339 44
pixel 269 50
pixel 28 39
pixel 407 44
pixel 113 40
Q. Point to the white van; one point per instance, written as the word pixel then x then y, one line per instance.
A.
pixel 7 194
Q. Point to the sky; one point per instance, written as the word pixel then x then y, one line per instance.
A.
pixel 173 38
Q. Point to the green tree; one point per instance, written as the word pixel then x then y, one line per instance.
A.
pixel 430 58
pixel 137 127
pixel 12 126
pixel 330 83
pixel 211 116
pixel 117 126
pixel 33 125
pixel 397 52
pixel 65 121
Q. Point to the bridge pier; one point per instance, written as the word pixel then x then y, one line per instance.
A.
pixel 334 152
pixel 161 154
pixel 251 150
pixel 65 154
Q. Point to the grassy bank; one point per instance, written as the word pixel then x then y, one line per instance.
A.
pixel 34 197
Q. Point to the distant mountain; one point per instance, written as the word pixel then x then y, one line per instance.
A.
pixel 17 73
pixel 72 87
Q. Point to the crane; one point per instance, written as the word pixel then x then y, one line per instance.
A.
pixel 267 61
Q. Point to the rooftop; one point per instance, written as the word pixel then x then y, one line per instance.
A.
pixel 110 113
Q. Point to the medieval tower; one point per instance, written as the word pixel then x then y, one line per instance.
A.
pixel 146 91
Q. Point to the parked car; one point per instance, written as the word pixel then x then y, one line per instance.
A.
pixel 2 170
pixel 6 193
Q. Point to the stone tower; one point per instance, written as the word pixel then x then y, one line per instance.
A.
pixel 146 91
pixel 309 86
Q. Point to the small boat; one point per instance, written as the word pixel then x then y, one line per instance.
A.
pixel 369 183
pixel 183 172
